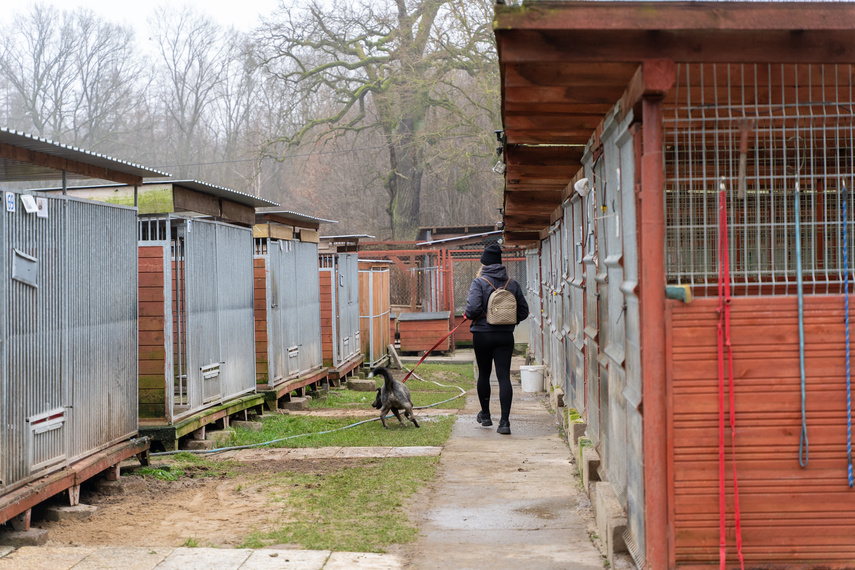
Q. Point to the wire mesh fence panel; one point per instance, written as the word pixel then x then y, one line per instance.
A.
pixel 760 133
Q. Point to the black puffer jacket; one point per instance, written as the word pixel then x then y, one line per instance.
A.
pixel 479 293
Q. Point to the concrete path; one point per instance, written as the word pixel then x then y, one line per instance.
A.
pixel 500 502
pixel 507 502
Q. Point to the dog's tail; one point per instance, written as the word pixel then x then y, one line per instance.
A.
pixel 386 374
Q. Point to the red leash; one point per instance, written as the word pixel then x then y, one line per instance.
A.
pixel 724 342
pixel 433 347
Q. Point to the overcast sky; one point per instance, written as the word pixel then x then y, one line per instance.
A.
pixel 243 14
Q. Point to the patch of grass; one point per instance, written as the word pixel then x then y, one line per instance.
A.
pixel 164 474
pixel 343 398
pixel 445 373
pixel 191 542
pixel 434 431
pixel 357 509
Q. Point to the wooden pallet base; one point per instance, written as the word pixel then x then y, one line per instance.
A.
pixel 168 436
pixel 17 503
pixel 343 370
pixel 282 392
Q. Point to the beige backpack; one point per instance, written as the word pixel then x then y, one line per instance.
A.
pixel 501 305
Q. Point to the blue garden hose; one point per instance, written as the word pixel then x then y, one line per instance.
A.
pixel 846 320
pixel 803 438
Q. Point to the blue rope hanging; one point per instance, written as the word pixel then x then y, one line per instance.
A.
pixel 846 320
pixel 803 438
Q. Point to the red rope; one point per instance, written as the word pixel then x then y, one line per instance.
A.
pixel 433 347
pixel 724 301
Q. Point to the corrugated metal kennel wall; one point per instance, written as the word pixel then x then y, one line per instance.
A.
pixel 293 308
pixel 584 279
pixel 68 360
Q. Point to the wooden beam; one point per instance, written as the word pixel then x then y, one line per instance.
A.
pixel 279 219
pixel 188 200
pixel 694 46
pixel 240 213
pixel 10 152
pixel 627 15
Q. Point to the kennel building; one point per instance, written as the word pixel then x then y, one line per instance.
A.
pixel 683 174
pixel 341 339
pixel 68 335
pixel 196 305
pixel 287 305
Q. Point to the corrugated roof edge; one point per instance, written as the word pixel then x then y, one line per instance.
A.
pixel 15 138
pixel 297 216
pixel 220 191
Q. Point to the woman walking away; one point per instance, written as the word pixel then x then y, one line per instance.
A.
pixel 493 331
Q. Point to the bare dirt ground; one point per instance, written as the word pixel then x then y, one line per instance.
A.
pixel 213 511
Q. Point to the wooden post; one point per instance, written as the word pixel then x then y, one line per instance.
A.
pixel 652 301
pixel 21 522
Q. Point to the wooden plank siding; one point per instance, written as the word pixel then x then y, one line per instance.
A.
pixel 261 324
pixel 152 342
pixel 418 336
pixel 327 316
pixel 790 515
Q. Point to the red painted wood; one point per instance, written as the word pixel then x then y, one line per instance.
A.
pixel 790 515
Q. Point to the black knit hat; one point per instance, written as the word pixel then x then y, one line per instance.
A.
pixel 492 255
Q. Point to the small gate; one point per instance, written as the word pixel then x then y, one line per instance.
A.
pixel 374 310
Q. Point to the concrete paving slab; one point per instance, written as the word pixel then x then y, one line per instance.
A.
pixel 4 550
pixel 204 559
pixel 273 559
pixel 18 538
pixel 363 561
pixel 356 452
pixel 45 557
pixel 319 453
pixel 415 451
pixel 126 558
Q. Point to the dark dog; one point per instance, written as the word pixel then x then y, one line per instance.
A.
pixel 393 395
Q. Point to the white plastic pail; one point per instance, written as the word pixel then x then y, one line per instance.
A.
pixel 531 378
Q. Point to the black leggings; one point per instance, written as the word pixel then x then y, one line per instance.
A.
pixel 498 347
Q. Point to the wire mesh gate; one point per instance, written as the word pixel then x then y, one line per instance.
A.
pixel 759 130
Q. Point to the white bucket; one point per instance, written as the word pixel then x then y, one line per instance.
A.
pixel 531 378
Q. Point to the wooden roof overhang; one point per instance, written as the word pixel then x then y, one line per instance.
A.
pixel 565 65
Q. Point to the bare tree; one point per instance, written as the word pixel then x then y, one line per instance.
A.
pixel 109 75
pixel 36 53
pixel 192 54
pixel 387 68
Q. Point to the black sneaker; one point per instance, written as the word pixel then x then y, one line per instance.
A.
pixel 504 427
pixel 484 419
